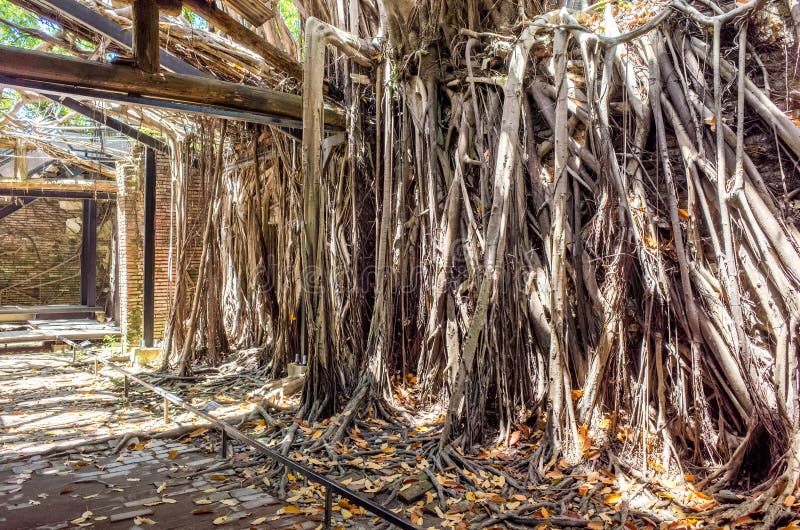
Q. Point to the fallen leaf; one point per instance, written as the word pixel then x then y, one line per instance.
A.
pixel 221 520
pixel 256 522
pixel 612 499
pixel 202 511
pixel 162 487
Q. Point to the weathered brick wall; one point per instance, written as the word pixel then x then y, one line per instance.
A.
pixel 130 201
pixel 40 248
pixel 130 227
pixel 164 278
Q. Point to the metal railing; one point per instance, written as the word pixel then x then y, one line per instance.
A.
pixel 229 431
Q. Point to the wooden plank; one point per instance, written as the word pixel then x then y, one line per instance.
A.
pixel 47 309
pixel 146 45
pixel 59 185
pixel 78 324
pixel 275 57
pixel 255 12
pixel 72 72
pixel 43 335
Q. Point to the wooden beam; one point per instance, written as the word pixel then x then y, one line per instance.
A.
pixel 17 204
pixel 170 7
pixel 256 12
pixel 146 45
pixel 275 57
pixel 72 72
pixel 60 185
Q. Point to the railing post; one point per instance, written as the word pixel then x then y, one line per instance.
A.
pixel 125 386
pixel 328 502
pixel 74 354
pixel 166 410
pixel 224 449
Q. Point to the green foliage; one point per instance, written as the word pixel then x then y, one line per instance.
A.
pixel 13 37
pixel 291 16
pixel 109 341
pixel 195 20
pixel 8 98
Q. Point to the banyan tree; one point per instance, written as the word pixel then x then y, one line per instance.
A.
pixel 559 216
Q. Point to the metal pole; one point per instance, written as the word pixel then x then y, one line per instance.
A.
pixel 224 449
pixel 328 502
pixel 230 431
pixel 148 291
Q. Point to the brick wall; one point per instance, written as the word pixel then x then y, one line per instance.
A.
pixel 40 247
pixel 130 208
pixel 130 227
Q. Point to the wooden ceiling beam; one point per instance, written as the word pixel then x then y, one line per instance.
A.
pixel 77 73
pixel 59 185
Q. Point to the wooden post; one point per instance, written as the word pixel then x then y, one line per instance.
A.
pixel 166 410
pixel 89 254
pixel 146 47
pixel 20 161
pixel 148 294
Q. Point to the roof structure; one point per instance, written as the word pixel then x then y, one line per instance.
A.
pixel 84 128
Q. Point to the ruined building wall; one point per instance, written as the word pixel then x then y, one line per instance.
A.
pixel 130 211
pixel 40 249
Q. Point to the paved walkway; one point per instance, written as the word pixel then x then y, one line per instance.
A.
pixel 46 403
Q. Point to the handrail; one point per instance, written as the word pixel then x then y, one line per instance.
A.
pixel 229 430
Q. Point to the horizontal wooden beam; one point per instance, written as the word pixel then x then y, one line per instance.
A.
pixel 57 194
pixel 71 72
pixel 59 185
